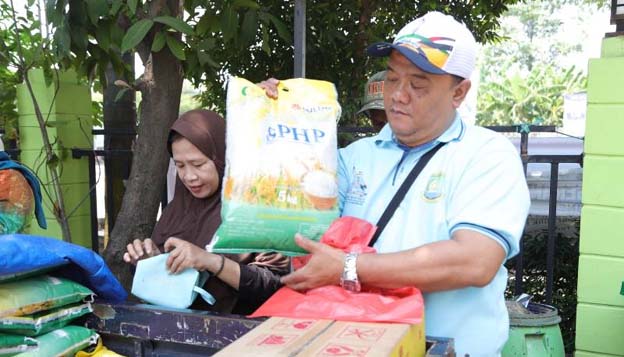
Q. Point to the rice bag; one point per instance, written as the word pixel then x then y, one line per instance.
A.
pixel 10 345
pixel 280 174
pixel 24 297
pixel 65 341
pixel 43 321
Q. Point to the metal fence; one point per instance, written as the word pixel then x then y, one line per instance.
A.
pixel 354 133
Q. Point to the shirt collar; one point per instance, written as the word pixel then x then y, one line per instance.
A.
pixel 455 132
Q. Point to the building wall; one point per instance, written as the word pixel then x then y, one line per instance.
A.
pixel 68 113
pixel 600 310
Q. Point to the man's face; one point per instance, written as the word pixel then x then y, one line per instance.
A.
pixel 420 106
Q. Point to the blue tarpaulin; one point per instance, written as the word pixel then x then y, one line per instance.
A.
pixel 22 254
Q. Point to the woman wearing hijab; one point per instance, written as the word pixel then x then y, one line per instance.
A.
pixel 240 283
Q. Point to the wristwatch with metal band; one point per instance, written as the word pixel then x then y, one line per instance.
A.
pixel 349 280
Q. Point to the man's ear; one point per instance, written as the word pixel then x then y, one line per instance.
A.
pixel 460 91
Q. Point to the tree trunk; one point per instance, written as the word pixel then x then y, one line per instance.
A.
pixel 160 104
pixel 119 122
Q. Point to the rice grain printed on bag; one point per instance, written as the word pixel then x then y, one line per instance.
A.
pixel 281 158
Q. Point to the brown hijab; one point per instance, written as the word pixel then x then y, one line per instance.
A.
pixel 196 220
pixel 186 217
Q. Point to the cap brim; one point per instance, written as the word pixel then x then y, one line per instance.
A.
pixel 377 104
pixel 383 49
pixel 379 49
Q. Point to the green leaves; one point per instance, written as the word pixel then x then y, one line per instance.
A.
pixel 206 24
pixel 97 9
pixel 132 6
pixel 246 3
pixel 249 27
pixel 159 42
pixel 526 98
pixel 204 58
pixel 176 47
pixel 229 23
pixel 281 28
pixel 175 23
pixel 62 38
pixel 136 33
pixel 103 35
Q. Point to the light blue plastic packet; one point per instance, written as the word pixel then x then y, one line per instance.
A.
pixel 154 284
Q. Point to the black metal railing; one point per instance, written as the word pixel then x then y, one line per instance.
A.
pixel 523 130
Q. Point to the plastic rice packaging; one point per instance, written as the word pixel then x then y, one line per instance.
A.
pixel 10 345
pixel 281 158
pixel 39 293
pixel 66 341
pixel 44 321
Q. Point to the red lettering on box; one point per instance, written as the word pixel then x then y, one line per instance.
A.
pixel 273 340
pixel 289 324
pixel 334 349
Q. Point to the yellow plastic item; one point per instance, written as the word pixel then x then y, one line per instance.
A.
pixel 100 351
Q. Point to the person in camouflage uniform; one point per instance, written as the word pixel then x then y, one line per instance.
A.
pixel 20 196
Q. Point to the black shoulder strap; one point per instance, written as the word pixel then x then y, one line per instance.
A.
pixel 398 196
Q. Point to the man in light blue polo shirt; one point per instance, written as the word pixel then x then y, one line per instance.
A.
pixel 464 214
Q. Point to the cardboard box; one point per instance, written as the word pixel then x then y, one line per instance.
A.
pixel 308 337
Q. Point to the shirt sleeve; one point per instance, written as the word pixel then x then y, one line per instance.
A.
pixel 258 283
pixel 492 197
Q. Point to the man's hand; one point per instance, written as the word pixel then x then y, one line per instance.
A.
pixel 324 268
pixel 183 255
pixel 270 87
pixel 140 249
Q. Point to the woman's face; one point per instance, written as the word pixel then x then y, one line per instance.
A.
pixel 197 172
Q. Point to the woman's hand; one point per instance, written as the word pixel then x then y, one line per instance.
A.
pixel 140 249
pixel 183 255
pixel 270 87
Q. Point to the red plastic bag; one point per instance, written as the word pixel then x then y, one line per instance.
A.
pixel 347 233
pixel 404 305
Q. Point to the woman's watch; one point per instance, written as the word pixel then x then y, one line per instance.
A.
pixel 349 280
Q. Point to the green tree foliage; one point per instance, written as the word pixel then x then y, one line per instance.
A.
pixel 337 36
pixel 533 98
pixel 527 71
pixel 249 39
pixel 11 70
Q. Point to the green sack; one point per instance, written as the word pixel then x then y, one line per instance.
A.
pixel 11 345
pixel 27 274
pixel 65 341
pixel 24 297
pixel 43 321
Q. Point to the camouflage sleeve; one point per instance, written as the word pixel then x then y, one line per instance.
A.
pixel 16 202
